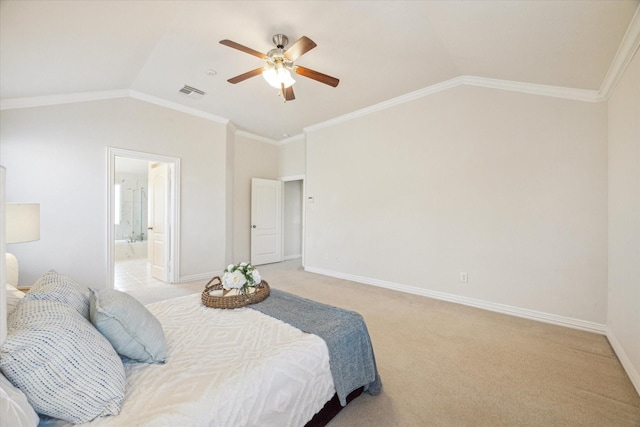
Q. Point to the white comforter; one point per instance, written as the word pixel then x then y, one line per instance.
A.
pixel 226 368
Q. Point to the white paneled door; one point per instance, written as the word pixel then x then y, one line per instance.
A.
pixel 266 221
pixel 157 248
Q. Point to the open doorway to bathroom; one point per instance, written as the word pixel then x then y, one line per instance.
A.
pixel 131 209
pixel 143 218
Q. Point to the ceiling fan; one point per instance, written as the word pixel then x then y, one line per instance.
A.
pixel 279 63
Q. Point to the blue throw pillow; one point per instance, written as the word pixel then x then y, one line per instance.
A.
pixel 130 328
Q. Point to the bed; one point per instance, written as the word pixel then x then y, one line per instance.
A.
pixel 249 366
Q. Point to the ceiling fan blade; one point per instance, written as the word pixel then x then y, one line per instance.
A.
pixel 243 49
pixel 303 45
pixel 245 76
pixel 318 76
pixel 288 94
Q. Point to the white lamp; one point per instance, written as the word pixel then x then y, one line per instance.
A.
pixel 22 225
pixel 23 222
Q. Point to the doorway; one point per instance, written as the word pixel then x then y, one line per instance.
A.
pixel 138 253
pixel 131 212
pixel 277 220
pixel 293 218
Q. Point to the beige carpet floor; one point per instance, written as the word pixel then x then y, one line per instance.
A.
pixel 445 364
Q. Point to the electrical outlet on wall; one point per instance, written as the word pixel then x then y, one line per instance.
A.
pixel 464 277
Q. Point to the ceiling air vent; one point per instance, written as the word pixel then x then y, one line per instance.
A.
pixel 192 92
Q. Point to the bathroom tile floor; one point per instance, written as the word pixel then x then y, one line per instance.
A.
pixel 133 274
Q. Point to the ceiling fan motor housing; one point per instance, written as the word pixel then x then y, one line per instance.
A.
pixel 280 40
pixel 276 56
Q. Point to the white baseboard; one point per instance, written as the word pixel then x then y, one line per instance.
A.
pixel 631 370
pixel 486 305
pixel 202 276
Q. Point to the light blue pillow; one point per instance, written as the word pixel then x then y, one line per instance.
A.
pixel 64 366
pixel 130 328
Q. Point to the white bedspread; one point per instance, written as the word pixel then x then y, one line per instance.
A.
pixel 226 368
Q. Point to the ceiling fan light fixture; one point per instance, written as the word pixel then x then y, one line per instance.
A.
pixel 276 76
pixel 279 65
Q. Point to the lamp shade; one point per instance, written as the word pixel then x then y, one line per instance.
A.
pixel 22 222
pixel 278 75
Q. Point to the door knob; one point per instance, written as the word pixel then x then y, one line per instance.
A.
pixel 149 228
pixel 253 226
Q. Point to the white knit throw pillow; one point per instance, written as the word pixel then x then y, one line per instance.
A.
pixel 64 366
pixel 54 286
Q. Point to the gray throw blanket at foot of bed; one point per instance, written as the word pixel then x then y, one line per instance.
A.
pixel 351 358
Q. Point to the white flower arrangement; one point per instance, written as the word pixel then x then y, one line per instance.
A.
pixel 240 276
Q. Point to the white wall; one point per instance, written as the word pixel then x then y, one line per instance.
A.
pixel 253 159
pixel 624 220
pixel 508 187
pixel 56 156
pixel 292 157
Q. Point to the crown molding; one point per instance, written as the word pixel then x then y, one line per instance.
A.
pixel 40 101
pixel 430 90
pixel 231 128
pixel 256 137
pixel 624 55
pixel 521 87
pixel 629 45
pixel 177 107
pixel 69 98
pixel 583 95
pixel 289 140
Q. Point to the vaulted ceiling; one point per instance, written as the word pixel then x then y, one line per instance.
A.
pixel 379 50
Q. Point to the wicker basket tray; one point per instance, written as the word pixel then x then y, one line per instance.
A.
pixel 233 301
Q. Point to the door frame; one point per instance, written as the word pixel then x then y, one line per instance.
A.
pixel 304 207
pixel 174 209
